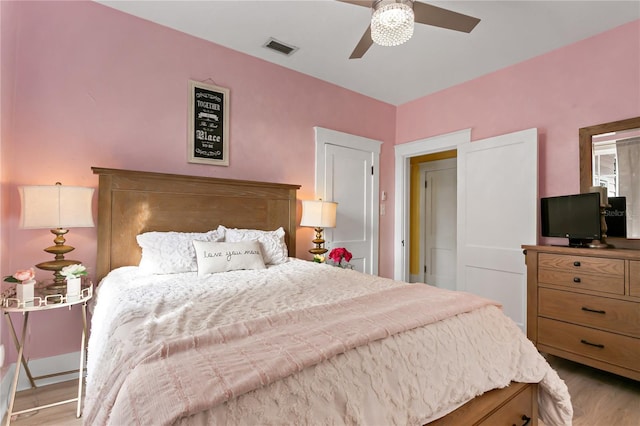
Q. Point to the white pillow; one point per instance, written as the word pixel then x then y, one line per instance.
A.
pixel 222 257
pixel 274 249
pixel 171 252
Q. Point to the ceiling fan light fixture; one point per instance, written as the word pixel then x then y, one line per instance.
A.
pixel 392 22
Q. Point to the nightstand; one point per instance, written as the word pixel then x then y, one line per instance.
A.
pixel 44 300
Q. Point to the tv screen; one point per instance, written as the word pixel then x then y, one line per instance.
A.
pixel 576 217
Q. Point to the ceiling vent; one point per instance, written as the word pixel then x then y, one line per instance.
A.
pixel 280 47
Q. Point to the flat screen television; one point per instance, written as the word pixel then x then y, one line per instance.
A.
pixel 576 217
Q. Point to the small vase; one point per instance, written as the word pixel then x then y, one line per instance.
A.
pixel 25 291
pixel 73 289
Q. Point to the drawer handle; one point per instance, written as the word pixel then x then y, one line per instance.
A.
pixel 526 419
pixel 597 345
pixel 595 311
pixel 576 263
pixel 576 279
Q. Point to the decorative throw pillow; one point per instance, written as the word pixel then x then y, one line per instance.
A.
pixel 171 252
pixel 274 249
pixel 222 257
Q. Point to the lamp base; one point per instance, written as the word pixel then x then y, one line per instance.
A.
pixel 602 242
pixel 318 241
pixel 317 250
pixel 56 266
pixel 59 262
pixel 599 244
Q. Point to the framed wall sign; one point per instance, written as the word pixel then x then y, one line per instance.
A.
pixel 208 124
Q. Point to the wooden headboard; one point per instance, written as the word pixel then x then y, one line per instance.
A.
pixel 132 202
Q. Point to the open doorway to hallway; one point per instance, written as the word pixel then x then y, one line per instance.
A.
pixel 432 220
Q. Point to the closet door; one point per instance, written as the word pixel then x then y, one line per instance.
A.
pixel 346 173
pixel 348 182
pixel 497 213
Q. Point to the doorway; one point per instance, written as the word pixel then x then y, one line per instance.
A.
pixel 496 213
pixel 424 227
pixel 404 153
pixel 438 224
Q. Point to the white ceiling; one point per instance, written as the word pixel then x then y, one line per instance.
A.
pixel 326 31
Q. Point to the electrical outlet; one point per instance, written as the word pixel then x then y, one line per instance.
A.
pixel 383 209
pixel 1 355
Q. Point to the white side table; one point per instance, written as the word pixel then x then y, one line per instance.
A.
pixel 44 300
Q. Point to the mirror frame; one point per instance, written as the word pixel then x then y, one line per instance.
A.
pixel 585 135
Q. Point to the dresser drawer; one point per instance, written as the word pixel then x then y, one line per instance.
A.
pixel 593 311
pixel 584 264
pixel 580 280
pixel 596 344
pixel 634 278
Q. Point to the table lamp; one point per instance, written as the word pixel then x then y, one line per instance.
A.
pixel 56 207
pixel 319 215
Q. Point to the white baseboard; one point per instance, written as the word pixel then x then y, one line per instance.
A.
pixel 415 278
pixel 39 367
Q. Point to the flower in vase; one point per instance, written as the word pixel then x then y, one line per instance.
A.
pixel 338 254
pixel 21 276
pixel 73 271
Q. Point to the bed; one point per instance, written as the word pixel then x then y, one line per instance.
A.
pixel 290 341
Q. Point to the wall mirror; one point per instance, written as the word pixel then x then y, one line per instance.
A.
pixel 610 157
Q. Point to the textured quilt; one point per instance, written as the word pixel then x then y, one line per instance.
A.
pixel 300 342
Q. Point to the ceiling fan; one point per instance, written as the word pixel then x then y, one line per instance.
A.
pixel 403 9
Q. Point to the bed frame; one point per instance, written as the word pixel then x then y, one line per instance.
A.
pixel 132 202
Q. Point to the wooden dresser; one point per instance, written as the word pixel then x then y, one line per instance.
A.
pixel 584 305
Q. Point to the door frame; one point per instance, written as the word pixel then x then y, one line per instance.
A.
pixel 403 153
pixel 325 137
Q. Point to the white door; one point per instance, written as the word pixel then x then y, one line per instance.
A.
pixel 497 213
pixel 348 177
pixel 438 219
pixel 346 172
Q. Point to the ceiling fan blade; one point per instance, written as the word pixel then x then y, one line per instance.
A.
pixel 443 18
pixel 365 3
pixel 366 41
pixel 363 45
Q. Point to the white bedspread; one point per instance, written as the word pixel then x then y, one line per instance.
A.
pixel 409 378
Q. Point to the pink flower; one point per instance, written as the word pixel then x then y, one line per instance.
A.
pixel 21 275
pixel 339 253
pixel 24 274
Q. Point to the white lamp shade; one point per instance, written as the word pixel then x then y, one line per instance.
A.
pixel 319 214
pixel 55 206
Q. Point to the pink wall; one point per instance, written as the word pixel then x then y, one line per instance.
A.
pixel 594 81
pixel 96 87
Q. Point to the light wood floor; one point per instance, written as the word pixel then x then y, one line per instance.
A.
pixel 62 415
pixel 599 399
